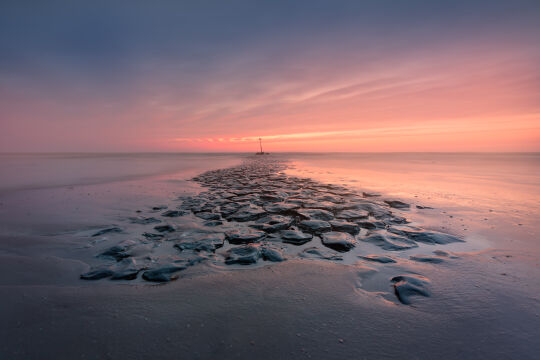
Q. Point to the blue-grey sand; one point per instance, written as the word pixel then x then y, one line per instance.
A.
pixel 234 256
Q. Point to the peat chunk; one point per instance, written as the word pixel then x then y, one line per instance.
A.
pixel 338 241
pixel 108 231
pixel 315 226
pixel 295 237
pixel 163 274
pixel 97 274
pixel 271 255
pixel 345 226
pixel 244 236
pixel 396 204
pixel 164 228
pixel 243 255
pixel 407 286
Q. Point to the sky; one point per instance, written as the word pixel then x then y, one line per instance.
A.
pixel 359 75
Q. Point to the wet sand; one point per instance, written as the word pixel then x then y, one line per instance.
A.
pixel 452 299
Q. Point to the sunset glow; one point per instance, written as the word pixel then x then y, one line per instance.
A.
pixel 358 83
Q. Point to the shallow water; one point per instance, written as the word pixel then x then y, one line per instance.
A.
pixel 482 295
pixel 471 193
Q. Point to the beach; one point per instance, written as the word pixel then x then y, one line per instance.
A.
pixel 326 256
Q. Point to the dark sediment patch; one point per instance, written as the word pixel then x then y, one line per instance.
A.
pixel 244 236
pixel 315 214
pixel 116 252
pixel 203 242
pixel 396 204
pixel 247 213
pixel 407 286
pixel 368 195
pixel 207 215
pixel 321 254
pixel 144 220
pixel 273 255
pixel 243 255
pixel 281 208
pixel 427 259
pixel 164 228
pixel 390 243
pixel 338 241
pixel 163 274
pixel 315 226
pixel 110 230
pixel 345 226
pixel 151 236
pixel 173 213
pixel 295 237
pixel 97 274
pixel 353 214
pixel 379 258
pixel 273 223
pixel 426 237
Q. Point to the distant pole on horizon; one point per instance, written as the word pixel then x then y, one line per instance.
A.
pixel 260 144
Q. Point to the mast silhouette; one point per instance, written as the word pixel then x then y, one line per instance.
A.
pixel 260 145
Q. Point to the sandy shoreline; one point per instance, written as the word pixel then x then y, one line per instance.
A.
pixel 480 303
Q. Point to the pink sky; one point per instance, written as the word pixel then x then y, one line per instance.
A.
pixel 331 94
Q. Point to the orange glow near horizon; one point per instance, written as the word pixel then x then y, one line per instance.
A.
pixel 474 99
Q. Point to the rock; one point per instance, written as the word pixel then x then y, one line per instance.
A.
pixel 338 241
pixel 273 223
pixel 208 215
pixel 379 258
pixel 423 207
pixel 127 269
pixel 173 213
pixel 324 205
pixel 316 253
pixel 281 207
pixel 315 226
pixel 213 223
pixel 368 195
pixel 151 236
pixel 97 274
pixel 396 220
pixel 243 255
pixel 345 226
pixel 369 225
pixel 406 286
pixel 144 221
pixel 391 243
pixel 159 207
pixel 295 237
pixel 330 197
pixel 271 255
pixel 164 228
pixel 427 259
pixel 270 198
pixel 209 243
pixel 426 237
pixel 445 254
pixel 396 204
pixel 230 208
pixel 315 214
pixel 163 274
pixel 353 214
pixel 126 274
pixel 116 252
pixel 244 236
pixel 247 213
pixel 107 231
